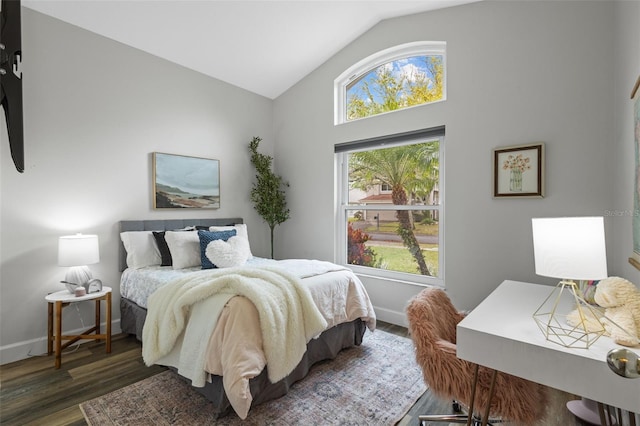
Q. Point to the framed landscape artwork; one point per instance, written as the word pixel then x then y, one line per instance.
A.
pixel 518 171
pixel 180 181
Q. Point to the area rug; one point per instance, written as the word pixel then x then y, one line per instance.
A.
pixel 372 384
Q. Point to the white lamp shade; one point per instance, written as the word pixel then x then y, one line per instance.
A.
pixel 570 247
pixel 78 250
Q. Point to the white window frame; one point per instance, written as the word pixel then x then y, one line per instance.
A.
pixel 343 207
pixel 356 71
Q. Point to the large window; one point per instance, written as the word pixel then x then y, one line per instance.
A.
pixel 400 77
pixel 390 196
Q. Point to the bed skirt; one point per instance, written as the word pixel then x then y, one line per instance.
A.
pixel 327 346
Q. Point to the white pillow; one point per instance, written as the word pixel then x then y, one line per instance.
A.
pixel 141 248
pixel 184 247
pixel 225 254
pixel 241 231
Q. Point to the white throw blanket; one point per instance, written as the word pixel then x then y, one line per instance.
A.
pixel 190 349
pixel 288 316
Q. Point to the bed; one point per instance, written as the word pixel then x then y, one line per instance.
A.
pixel 230 345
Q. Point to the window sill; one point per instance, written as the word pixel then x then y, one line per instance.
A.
pixel 420 281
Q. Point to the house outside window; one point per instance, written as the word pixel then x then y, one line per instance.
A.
pixel 395 234
pixel 400 77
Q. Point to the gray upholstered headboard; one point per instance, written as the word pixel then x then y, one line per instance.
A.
pixel 166 225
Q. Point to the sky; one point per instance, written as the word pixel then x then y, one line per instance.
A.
pixel 191 174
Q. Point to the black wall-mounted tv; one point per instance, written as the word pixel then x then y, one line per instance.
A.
pixel 11 77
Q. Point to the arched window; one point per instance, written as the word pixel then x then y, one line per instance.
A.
pixel 396 78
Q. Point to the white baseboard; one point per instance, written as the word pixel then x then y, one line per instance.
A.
pixel 393 317
pixel 37 347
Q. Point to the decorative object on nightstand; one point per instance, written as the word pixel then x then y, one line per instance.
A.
pixel 569 248
pixel 78 251
pixel 61 299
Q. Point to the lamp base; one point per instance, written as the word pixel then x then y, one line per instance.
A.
pixel 77 276
pixel 577 328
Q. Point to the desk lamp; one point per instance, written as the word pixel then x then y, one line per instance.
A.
pixel 569 248
pixel 78 251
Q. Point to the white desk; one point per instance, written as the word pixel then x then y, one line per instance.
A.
pixel 502 334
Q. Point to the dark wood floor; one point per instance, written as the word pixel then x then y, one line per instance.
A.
pixel 32 392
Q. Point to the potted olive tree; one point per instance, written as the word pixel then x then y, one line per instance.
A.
pixel 267 193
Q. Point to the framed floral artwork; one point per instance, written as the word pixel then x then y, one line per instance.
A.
pixel 518 171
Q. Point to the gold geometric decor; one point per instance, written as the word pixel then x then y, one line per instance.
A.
pixel 578 328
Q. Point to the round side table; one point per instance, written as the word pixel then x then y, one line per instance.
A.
pixel 61 299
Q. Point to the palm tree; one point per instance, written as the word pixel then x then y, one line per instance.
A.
pixel 410 171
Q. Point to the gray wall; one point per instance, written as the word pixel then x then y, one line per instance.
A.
pixel 517 72
pixel 95 110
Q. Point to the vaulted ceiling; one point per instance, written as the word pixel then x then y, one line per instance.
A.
pixel 263 46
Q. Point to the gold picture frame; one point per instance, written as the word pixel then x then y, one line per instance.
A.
pixel 518 171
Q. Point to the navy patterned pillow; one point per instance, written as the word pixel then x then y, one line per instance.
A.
pixel 205 238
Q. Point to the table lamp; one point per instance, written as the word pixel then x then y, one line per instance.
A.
pixel 78 251
pixel 569 248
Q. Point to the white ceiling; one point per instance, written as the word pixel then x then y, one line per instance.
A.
pixel 264 46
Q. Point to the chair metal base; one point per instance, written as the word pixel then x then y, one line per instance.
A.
pixel 455 418
pixel 445 418
pixel 460 415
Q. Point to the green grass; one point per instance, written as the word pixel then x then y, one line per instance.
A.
pixel 392 228
pixel 399 259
